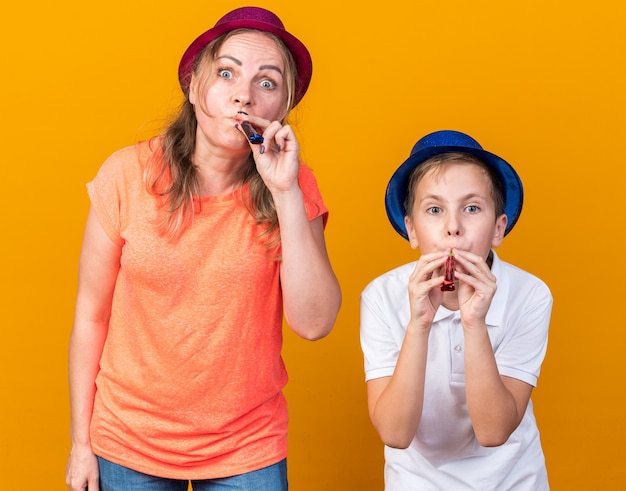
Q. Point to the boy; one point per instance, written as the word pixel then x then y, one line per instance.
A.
pixel 450 374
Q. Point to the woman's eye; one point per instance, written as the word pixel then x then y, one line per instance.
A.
pixel 225 73
pixel 267 84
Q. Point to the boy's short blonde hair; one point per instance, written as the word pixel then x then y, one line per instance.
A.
pixel 436 163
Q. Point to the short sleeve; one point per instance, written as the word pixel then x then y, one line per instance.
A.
pixel 108 192
pixel 380 352
pixel 520 356
pixel 313 202
pixel 384 315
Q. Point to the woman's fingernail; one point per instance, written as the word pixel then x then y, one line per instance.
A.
pixel 262 149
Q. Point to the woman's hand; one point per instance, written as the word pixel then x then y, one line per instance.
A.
pixel 277 158
pixel 82 469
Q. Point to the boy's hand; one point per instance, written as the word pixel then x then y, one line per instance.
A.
pixel 425 294
pixel 477 286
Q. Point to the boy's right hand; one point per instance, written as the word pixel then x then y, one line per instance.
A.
pixel 425 295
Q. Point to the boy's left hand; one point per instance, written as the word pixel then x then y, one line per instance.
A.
pixel 477 286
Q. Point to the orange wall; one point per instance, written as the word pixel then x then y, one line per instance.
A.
pixel 541 83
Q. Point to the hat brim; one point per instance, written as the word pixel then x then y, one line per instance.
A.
pixel 301 55
pixel 398 186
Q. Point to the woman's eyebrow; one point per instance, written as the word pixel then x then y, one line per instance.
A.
pixel 271 67
pixel 262 67
pixel 232 58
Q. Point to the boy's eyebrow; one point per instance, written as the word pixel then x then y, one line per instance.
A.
pixel 438 197
pixel 430 196
pixel 262 67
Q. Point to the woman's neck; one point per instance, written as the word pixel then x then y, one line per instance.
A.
pixel 219 176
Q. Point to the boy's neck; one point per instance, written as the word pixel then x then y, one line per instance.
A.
pixel 490 259
pixel 450 300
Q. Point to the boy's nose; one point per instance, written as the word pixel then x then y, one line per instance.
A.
pixel 454 225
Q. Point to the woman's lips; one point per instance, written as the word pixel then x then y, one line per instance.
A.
pixel 251 133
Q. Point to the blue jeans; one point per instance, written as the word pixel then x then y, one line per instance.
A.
pixel 114 477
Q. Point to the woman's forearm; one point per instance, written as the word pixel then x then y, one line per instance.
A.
pixel 311 292
pixel 85 350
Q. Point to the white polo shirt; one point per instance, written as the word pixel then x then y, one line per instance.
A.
pixel 445 455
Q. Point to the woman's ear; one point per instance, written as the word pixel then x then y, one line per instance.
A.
pixel 411 232
pixel 193 89
pixel 500 229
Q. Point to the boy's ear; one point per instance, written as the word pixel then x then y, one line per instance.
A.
pixel 498 236
pixel 411 232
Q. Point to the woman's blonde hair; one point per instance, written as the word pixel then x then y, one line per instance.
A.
pixel 172 175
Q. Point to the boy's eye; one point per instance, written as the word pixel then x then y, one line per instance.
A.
pixel 433 210
pixel 472 209
pixel 224 73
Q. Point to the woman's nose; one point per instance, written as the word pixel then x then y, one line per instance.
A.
pixel 242 95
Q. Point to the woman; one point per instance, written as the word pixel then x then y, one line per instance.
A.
pixel 196 244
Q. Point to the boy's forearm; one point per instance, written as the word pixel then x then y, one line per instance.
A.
pixel 398 409
pixel 492 407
